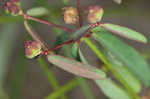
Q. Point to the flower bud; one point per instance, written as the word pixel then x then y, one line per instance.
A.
pixel 70 15
pixel 13 7
pixel 32 49
pixel 95 14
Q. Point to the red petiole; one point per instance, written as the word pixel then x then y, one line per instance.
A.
pixel 86 34
pixel 27 17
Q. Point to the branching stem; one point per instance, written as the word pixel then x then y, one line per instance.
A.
pixel 61 45
pixel 35 35
pixel 27 17
pixel 87 33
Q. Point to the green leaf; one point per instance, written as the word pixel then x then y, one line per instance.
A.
pixel 82 81
pixel 125 32
pixel 75 67
pixel 61 38
pixel 82 57
pixel 118 1
pixel 80 32
pixel 85 88
pixel 7 31
pixel 74 50
pixel 112 90
pixel 86 62
pixel 18 75
pixel 126 54
pixel 128 76
pixel 38 11
pixel 7 45
pixel 108 87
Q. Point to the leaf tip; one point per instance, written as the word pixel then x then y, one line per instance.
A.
pixel 118 1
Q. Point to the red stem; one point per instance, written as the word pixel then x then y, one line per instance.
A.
pixel 46 22
pixel 61 45
pixel 35 35
pixel 47 52
pixel 80 13
pixel 86 33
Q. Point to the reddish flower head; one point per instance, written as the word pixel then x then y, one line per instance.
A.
pixel 32 49
pixel 70 15
pixel 95 14
pixel 12 6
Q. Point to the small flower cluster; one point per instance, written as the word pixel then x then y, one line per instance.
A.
pixel 32 49
pixel 70 15
pixel 94 14
pixel 12 6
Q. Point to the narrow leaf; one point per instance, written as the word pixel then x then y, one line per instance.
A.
pixel 80 32
pixel 18 75
pixel 74 51
pixel 38 11
pixel 117 1
pixel 126 54
pixel 7 31
pixel 74 67
pixel 82 81
pixel 86 62
pixel 85 88
pixel 127 75
pixel 82 57
pixel 112 90
pixel 61 38
pixel 108 87
pixel 125 32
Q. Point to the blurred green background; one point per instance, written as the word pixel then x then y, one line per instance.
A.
pixel 21 78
